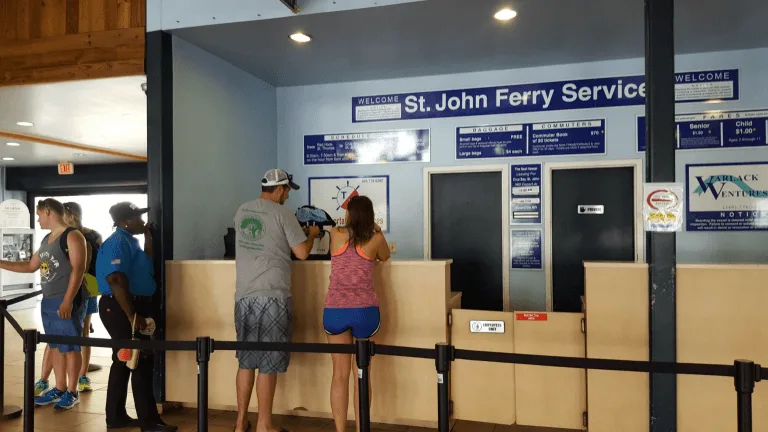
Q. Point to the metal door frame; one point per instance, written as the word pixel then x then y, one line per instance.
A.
pixel 504 170
pixel 636 164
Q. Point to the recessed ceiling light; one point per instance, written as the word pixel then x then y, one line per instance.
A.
pixel 8 159
pixel 300 38
pixel 79 154
pixel 25 124
pixel 12 144
pixel 505 14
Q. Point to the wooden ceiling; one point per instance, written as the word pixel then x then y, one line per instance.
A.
pixel 45 41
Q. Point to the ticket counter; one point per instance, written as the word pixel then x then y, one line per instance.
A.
pixel 415 299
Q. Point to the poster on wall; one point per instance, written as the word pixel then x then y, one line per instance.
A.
pixel 332 194
pixel 526 249
pixel 727 197
pixel 696 86
pixel 663 207
pixel 532 139
pixel 525 205
pixel 408 145
pixel 14 214
pixel 718 130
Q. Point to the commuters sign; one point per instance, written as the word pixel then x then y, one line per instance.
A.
pixel 333 194
pixel 727 197
pixel 409 145
pixel 717 130
pixel 526 249
pixel 525 205
pixel 549 96
pixel 531 139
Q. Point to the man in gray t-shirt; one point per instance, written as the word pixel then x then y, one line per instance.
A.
pixel 267 233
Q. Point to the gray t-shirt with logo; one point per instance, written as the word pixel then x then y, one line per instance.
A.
pixel 266 232
pixel 55 269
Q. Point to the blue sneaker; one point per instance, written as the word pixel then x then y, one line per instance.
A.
pixel 49 398
pixel 68 401
pixel 41 386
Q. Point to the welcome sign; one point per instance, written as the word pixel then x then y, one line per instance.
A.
pixel 727 197
pixel 552 96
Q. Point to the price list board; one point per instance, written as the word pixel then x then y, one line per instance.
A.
pixel 737 129
pixel 531 139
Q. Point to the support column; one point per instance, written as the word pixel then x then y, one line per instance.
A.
pixel 159 91
pixel 660 167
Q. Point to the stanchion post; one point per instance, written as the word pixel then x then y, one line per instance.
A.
pixel 745 378
pixel 364 354
pixel 6 412
pixel 443 359
pixel 204 350
pixel 31 338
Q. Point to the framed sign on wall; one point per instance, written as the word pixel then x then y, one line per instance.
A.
pixel 332 194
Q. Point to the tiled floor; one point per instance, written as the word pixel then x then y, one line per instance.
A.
pixel 88 416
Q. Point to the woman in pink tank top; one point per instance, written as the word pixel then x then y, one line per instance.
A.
pixel 351 306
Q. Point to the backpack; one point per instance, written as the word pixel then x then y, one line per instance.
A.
pixel 309 215
pixel 91 284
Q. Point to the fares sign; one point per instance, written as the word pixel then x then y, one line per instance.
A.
pixel 719 130
pixel 552 96
pixel 727 197
pixel 410 145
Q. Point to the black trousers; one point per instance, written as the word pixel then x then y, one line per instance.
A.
pixel 119 327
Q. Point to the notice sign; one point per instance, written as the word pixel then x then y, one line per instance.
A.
pixel 532 139
pixel 410 145
pixel 530 316
pixel 722 130
pixel 486 326
pixel 526 249
pixel 549 96
pixel 727 197
pixel 333 194
pixel 663 207
pixel 525 205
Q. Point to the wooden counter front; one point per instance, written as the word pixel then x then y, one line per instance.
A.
pixel 415 301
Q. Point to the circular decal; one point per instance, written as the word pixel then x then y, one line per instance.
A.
pixel 662 199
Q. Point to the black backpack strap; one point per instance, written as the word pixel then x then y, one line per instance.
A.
pixel 63 241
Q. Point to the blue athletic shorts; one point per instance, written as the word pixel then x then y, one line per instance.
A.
pixel 91 305
pixel 53 325
pixel 364 322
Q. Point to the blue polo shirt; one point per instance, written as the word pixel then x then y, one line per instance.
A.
pixel 120 253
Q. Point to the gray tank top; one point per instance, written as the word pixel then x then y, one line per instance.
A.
pixel 55 269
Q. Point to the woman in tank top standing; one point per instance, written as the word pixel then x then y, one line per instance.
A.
pixel 351 306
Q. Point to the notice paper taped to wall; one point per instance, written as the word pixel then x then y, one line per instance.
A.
pixel 663 207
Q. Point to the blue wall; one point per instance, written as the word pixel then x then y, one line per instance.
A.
pixel 225 138
pixel 327 109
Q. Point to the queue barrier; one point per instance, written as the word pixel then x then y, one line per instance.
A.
pixel 744 372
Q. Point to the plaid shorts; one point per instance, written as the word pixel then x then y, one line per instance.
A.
pixel 264 319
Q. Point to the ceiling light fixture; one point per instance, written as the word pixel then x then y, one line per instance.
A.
pixel 8 159
pixel 79 154
pixel 505 14
pixel 12 144
pixel 300 37
pixel 25 124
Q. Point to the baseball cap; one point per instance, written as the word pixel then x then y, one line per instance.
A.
pixel 125 211
pixel 278 177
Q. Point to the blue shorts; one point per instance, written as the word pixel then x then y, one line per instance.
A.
pixel 91 305
pixel 53 325
pixel 364 322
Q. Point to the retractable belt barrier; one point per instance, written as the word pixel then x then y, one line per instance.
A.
pixel 745 373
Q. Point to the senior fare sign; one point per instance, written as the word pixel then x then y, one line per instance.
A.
pixel 727 197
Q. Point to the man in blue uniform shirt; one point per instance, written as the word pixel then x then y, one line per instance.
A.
pixel 127 282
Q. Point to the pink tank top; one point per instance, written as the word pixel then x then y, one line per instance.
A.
pixel 351 279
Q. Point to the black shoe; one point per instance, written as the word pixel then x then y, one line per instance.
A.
pixel 160 427
pixel 124 424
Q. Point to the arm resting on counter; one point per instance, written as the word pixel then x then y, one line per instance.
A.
pixel 382 251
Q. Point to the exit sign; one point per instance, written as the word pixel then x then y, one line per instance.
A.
pixel 66 168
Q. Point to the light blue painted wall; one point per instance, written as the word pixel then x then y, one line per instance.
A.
pixel 225 138
pixel 327 109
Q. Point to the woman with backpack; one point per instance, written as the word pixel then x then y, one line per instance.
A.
pixel 73 216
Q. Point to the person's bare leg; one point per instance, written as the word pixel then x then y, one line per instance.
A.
pixel 73 363
pixel 342 364
pixel 244 386
pixel 47 364
pixel 59 369
pixel 86 351
pixel 265 394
